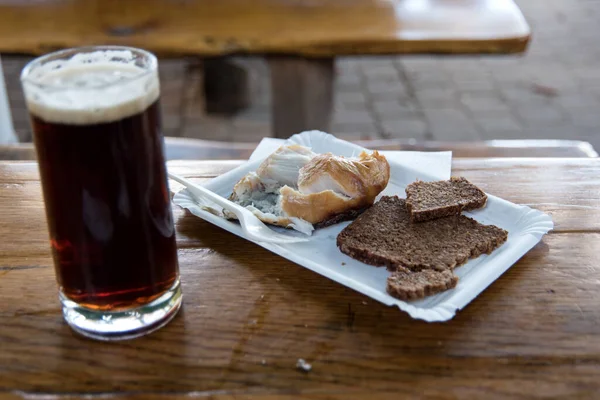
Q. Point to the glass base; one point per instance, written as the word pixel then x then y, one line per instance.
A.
pixel 121 325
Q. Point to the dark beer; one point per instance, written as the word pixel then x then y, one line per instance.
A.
pixel 108 212
pixel 96 124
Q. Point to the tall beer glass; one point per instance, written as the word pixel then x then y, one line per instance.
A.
pixel 97 129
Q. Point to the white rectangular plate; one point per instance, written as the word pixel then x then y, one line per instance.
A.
pixel 321 255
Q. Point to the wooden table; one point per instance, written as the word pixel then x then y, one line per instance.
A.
pixel 300 37
pixel 196 149
pixel 249 315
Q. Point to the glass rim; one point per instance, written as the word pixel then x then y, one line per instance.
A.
pixel 38 61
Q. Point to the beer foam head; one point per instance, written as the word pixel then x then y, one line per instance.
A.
pixel 90 88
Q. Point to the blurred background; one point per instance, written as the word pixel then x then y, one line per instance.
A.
pixel 550 92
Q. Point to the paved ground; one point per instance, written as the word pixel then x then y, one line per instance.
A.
pixel 551 92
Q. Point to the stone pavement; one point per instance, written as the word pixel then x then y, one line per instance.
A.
pixel 551 92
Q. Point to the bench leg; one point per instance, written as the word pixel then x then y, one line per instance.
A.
pixel 226 89
pixel 7 131
pixel 302 94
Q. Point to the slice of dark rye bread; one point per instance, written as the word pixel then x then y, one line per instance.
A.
pixel 384 236
pixel 341 217
pixel 430 200
pixel 405 284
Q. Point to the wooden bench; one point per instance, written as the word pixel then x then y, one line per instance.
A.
pixel 194 149
pixel 301 38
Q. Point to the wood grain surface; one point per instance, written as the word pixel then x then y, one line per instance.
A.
pixel 322 28
pixel 249 315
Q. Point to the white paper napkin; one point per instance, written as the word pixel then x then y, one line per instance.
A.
pixel 437 164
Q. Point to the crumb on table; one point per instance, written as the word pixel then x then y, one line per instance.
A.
pixel 303 365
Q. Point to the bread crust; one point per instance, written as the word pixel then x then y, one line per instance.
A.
pixel 426 201
pixel 407 285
